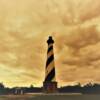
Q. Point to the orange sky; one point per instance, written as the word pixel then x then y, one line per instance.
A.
pixel 24 28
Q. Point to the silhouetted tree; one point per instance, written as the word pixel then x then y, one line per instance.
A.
pixel 2 86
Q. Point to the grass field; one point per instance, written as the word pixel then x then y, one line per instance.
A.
pixel 50 97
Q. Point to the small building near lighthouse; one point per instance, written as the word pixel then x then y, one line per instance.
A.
pixel 50 84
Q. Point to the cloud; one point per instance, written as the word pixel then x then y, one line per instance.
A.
pixel 83 46
pixel 25 26
pixel 78 52
pixel 82 37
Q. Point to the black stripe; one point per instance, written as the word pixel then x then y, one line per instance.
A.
pixel 51 75
pixel 49 60
pixel 50 48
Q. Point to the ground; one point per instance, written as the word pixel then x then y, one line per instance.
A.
pixel 50 97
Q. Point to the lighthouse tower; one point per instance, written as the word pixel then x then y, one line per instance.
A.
pixel 50 84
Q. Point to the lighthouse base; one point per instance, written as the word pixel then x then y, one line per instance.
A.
pixel 50 87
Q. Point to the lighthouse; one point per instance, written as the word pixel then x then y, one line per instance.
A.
pixel 50 84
